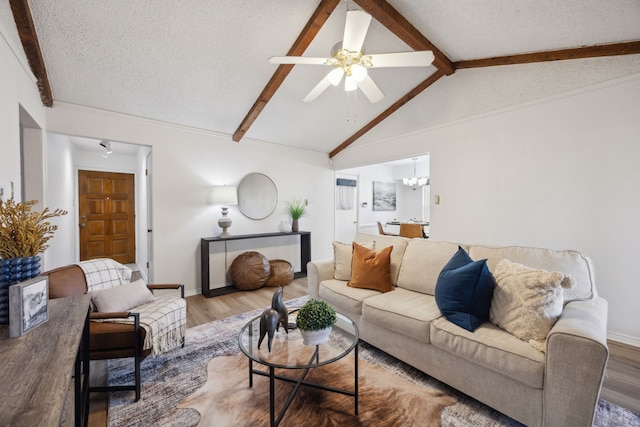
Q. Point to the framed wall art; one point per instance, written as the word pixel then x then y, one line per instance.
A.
pixel 384 196
pixel 28 305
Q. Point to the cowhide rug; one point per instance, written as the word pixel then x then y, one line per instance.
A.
pixel 385 399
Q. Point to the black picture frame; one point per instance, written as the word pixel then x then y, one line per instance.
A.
pixel 28 305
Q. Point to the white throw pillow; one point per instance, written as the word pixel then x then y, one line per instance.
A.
pixel 528 301
pixel 123 297
pixel 342 256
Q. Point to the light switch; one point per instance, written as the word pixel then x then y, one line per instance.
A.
pixel 437 199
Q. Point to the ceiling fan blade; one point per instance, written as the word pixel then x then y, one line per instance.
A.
pixel 422 58
pixel 304 60
pixel 371 90
pixel 355 30
pixel 316 91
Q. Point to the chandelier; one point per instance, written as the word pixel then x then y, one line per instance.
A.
pixel 415 181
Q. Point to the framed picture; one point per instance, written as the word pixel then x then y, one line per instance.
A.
pixel 384 196
pixel 28 305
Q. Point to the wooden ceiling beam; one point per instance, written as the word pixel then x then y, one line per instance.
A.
pixel 29 38
pixel 386 113
pixel 626 48
pixel 317 20
pixel 384 13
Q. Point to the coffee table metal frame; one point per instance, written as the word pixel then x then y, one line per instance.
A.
pixel 313 362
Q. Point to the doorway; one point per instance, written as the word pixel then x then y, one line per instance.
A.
pixel 346 207
pixel 106 211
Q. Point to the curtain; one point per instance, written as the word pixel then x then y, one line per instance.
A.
pixel 345 194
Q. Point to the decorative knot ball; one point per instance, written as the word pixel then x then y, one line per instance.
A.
pixel 281 273
pixel 249 271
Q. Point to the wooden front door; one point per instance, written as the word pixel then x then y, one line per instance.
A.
pixel 107 217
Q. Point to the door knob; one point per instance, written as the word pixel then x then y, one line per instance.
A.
pixel 83 225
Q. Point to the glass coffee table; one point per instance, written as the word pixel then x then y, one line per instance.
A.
pixel 288 353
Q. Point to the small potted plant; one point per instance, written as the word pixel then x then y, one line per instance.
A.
pixel 296 209
pixel 315 320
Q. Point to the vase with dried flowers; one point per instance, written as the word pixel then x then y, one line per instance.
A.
pixel 23 234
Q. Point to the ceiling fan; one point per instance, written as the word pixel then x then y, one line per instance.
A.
pixel 349 60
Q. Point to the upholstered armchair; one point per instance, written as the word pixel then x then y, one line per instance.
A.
pixel 127 319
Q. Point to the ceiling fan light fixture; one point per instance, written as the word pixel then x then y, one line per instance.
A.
pixel 358 72
pixel 335 76
pixel 350 83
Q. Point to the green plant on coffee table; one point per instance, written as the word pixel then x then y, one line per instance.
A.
pixel 315 315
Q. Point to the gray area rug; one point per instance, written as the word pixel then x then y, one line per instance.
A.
pixel 170 378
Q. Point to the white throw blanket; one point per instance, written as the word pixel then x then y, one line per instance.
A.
pixel 164 319
pixel 104 273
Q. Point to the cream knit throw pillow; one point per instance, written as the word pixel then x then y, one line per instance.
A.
pixel 527 301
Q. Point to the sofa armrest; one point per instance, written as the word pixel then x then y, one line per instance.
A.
pixel 317 271
pixel 577 355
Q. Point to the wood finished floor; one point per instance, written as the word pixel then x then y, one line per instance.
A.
pixel 621 385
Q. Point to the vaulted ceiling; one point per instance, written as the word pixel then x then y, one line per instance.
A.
pixel 204 64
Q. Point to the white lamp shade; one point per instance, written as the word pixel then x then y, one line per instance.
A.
pixel 350 83
pixel 335 76
pixel 224 195
pixel 359 72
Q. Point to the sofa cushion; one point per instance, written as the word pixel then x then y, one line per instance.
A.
pixel 528 301
pixel 569 262
pixel 370 269
pixel 492 348
pixel 464 290
pixel 122 298
pixel 338 294
pixel 405 312
pixel 342 256
pixel 422 262
pixel 399 244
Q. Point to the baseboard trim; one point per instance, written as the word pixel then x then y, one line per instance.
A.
pixel 625 339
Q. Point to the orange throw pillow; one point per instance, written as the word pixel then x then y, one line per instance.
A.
pixel 371 270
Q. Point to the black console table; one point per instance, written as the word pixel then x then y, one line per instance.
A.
pixel 305 257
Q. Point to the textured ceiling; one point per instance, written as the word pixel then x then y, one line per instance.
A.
pixel 203 63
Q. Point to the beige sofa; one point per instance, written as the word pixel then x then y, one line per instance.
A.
pixel 559 388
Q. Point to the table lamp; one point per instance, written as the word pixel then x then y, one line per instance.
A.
pixel 224 196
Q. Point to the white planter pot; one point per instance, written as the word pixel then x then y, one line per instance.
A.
pixel 315 337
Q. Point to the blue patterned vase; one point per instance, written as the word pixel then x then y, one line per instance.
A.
pixel 12 271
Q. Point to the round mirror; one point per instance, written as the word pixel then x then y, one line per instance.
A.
pixel 257 196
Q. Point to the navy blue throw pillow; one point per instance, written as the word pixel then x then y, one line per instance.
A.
pixel 464 290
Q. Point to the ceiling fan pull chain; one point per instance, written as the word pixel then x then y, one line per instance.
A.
pixel 352 113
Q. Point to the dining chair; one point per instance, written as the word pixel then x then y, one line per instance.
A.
pixel 382 232
pixel 411 230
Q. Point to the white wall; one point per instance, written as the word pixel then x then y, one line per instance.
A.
pixel 17 89
pixel 186 163
pixel 561 173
